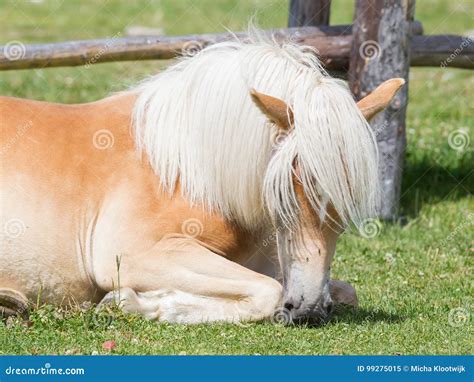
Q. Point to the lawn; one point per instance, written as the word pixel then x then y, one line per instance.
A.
pixel 414 278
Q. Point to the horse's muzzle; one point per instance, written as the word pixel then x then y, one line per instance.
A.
pixel 300 314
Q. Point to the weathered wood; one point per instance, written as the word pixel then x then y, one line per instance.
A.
pixel 416 28
pixel 380 50
pixel 309 13
pixel 333 43
pixel 136 48
pixel 443 51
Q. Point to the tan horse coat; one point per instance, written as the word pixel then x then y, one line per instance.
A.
pixel 81 217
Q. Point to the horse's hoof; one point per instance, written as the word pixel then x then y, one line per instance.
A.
pixel 13 303
pixel 343 293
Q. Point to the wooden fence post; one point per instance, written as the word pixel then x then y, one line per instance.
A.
pixel 309 13
pixel 380 50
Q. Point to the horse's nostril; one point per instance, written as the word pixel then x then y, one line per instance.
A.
pixel 288 306
pixel 329 309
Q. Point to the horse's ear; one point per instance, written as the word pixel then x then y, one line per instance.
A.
pixel 379 99
pixel 274 108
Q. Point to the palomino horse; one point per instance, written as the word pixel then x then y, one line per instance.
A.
pixel 189 196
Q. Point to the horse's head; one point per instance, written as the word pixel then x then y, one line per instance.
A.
pixel 306 249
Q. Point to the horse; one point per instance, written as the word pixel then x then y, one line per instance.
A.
pixel 212 191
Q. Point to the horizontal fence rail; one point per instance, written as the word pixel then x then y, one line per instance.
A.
pixel 332 42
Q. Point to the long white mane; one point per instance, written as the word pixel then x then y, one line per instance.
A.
pixel 199 127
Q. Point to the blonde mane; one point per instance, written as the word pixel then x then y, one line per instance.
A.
pixel 197 124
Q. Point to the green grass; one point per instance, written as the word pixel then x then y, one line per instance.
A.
pixel 409 277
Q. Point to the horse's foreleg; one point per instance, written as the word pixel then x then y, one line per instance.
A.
pixel 179 280
pixel 343 293
pixel 13 303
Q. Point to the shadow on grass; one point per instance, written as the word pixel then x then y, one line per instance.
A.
pixel 425 181
pixel 350 315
